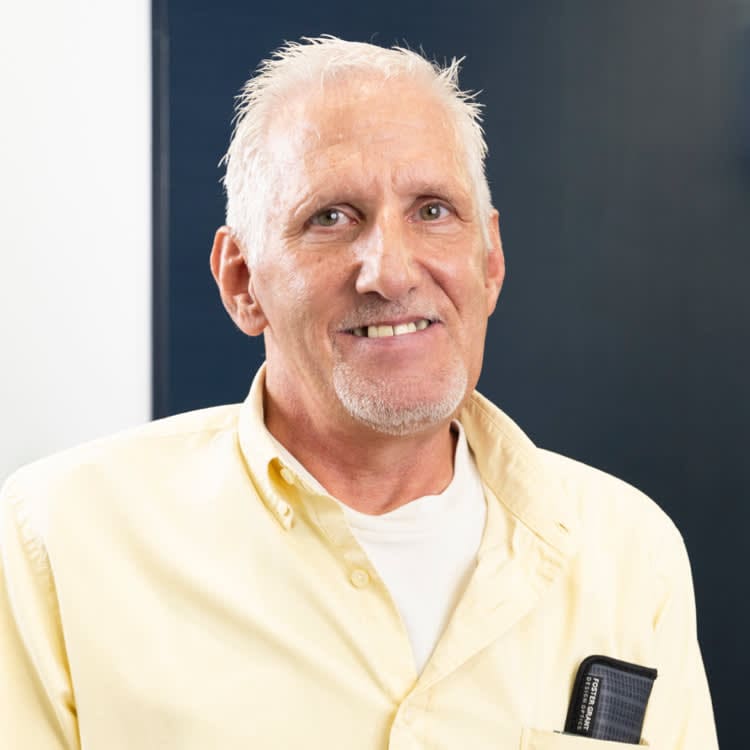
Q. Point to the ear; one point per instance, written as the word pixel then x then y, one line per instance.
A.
pixel 495 262
pixel 234 279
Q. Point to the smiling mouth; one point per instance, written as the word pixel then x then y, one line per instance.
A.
pixel 382 331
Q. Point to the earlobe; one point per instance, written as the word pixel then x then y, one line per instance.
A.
pixel 233 276
pixel 495 262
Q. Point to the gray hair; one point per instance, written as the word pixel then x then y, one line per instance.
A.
pixel 247 162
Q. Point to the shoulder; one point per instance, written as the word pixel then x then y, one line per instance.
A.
pixel 595 488
pixel 607 511
pixel 617 518
pixel 148 442
pixel 135 460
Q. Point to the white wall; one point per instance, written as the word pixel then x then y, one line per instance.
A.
pixel 75 222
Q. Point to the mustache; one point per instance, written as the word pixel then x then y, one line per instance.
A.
pixel 375 311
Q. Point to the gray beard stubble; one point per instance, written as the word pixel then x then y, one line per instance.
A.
pixel 373 401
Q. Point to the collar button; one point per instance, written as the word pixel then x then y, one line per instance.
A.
pixel 359 578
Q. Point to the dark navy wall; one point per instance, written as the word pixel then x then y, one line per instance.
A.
pixel 620 162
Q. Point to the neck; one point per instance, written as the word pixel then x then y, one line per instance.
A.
pixel 369 471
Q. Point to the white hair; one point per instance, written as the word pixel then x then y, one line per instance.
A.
pixel 247 161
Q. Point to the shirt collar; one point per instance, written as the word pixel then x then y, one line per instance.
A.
pixel 519 475
pixel 272 477
pixel 511 466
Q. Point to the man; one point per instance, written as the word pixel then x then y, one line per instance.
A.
pixel 365 554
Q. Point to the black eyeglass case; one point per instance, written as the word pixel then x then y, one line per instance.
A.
pixel 609 699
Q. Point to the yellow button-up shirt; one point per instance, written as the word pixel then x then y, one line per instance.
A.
pixel 178 587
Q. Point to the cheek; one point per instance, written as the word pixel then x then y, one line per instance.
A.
pixel 309 297
pixel 465 283
pixel 284 284
pixel 297 290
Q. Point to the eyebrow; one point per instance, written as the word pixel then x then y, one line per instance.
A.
pixel 409 179
pixel 316 200
pixel 418 181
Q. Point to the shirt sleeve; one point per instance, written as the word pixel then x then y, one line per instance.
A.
pixel 37 711
pixel 679 715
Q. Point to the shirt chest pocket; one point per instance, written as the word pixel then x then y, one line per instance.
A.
pixel 540 739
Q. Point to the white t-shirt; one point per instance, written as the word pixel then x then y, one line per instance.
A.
pixel 425 551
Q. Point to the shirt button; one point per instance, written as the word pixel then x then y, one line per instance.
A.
pixel 284 512
pixel 359 578
pixel 287 475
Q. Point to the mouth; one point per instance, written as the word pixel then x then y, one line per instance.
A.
pixel 380 331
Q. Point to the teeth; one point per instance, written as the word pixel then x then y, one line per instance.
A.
pixel 376 332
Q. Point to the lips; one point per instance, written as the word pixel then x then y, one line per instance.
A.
pixel 383 331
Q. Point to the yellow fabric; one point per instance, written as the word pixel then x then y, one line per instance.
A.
pixel 178 587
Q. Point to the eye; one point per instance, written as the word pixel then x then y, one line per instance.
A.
pixel 433 211
pixel 329 217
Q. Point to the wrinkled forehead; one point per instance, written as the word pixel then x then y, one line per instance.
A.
pixel 328 112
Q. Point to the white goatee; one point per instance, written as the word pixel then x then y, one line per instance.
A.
pixel 382 404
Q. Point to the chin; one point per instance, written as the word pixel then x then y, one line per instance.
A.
pixel 399 408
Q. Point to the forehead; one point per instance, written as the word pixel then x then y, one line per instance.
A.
pixel 365 127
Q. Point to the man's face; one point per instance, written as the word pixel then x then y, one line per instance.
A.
pixel 374 283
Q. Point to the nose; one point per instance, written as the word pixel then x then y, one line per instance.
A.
pixel 387 264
